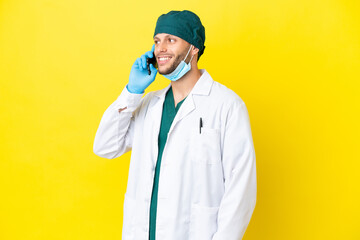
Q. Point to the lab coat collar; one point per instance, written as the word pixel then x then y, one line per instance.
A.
pixel 201 87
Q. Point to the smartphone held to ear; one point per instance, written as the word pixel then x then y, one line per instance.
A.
pixel 151 61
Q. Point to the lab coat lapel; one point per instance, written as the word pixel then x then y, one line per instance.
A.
pixel 186 108
pixel 202 87
pixel 156 109
pixel 155 112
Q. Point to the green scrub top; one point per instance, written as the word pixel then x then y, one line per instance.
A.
pixel 168 114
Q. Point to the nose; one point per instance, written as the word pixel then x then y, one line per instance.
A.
pixel 161 47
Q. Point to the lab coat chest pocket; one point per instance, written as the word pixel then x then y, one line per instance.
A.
pixel 207 145
pixel 128 218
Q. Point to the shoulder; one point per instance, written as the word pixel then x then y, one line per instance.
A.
pixel 225 95
pixel 233 111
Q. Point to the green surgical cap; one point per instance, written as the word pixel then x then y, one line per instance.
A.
pixel 185 25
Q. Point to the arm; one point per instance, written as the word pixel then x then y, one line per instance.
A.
pixel 238 202
pixel 114 135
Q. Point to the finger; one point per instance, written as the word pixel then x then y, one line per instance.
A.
pixel 138 61
pixel 153 47
pixel 143 61
pixel 153 70
pixel 149 54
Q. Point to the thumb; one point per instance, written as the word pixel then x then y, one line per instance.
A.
pixel 153 69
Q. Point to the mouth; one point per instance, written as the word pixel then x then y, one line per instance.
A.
pixel 163 60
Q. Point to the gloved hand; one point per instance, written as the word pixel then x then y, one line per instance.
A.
pixel 139 78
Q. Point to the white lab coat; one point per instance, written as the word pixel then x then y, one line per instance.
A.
pixel 207 184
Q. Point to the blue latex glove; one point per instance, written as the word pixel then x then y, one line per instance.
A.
pixel 139 78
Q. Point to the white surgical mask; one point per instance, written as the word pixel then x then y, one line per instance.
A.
pixel 181 69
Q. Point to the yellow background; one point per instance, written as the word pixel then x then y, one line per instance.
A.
pixel 295 63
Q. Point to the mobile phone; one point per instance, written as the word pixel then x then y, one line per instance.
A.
pixel 151 61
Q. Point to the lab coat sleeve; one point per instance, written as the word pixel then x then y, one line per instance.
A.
pixel 114 134
pixel 238 201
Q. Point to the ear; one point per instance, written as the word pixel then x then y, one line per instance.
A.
pixel 194 50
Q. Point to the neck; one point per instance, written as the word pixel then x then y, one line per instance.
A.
pixel 182 87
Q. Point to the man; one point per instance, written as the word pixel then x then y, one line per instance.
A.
pixel 192 170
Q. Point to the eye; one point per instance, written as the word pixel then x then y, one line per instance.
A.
pixel 156 41
pixel 171 39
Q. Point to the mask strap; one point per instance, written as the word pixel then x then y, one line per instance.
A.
pixel 188 53
pixel 191 58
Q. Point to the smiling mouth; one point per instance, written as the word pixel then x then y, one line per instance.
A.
pixel 163 60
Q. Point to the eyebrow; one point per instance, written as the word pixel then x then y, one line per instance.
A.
pixel 164 37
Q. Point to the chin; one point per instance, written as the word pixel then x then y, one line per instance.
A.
pixel 164 71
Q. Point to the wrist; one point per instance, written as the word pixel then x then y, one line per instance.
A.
pixel 132 90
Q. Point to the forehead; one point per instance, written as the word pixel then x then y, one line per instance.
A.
pixel 164 35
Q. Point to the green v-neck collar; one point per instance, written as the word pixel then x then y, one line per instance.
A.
pixel 171 102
